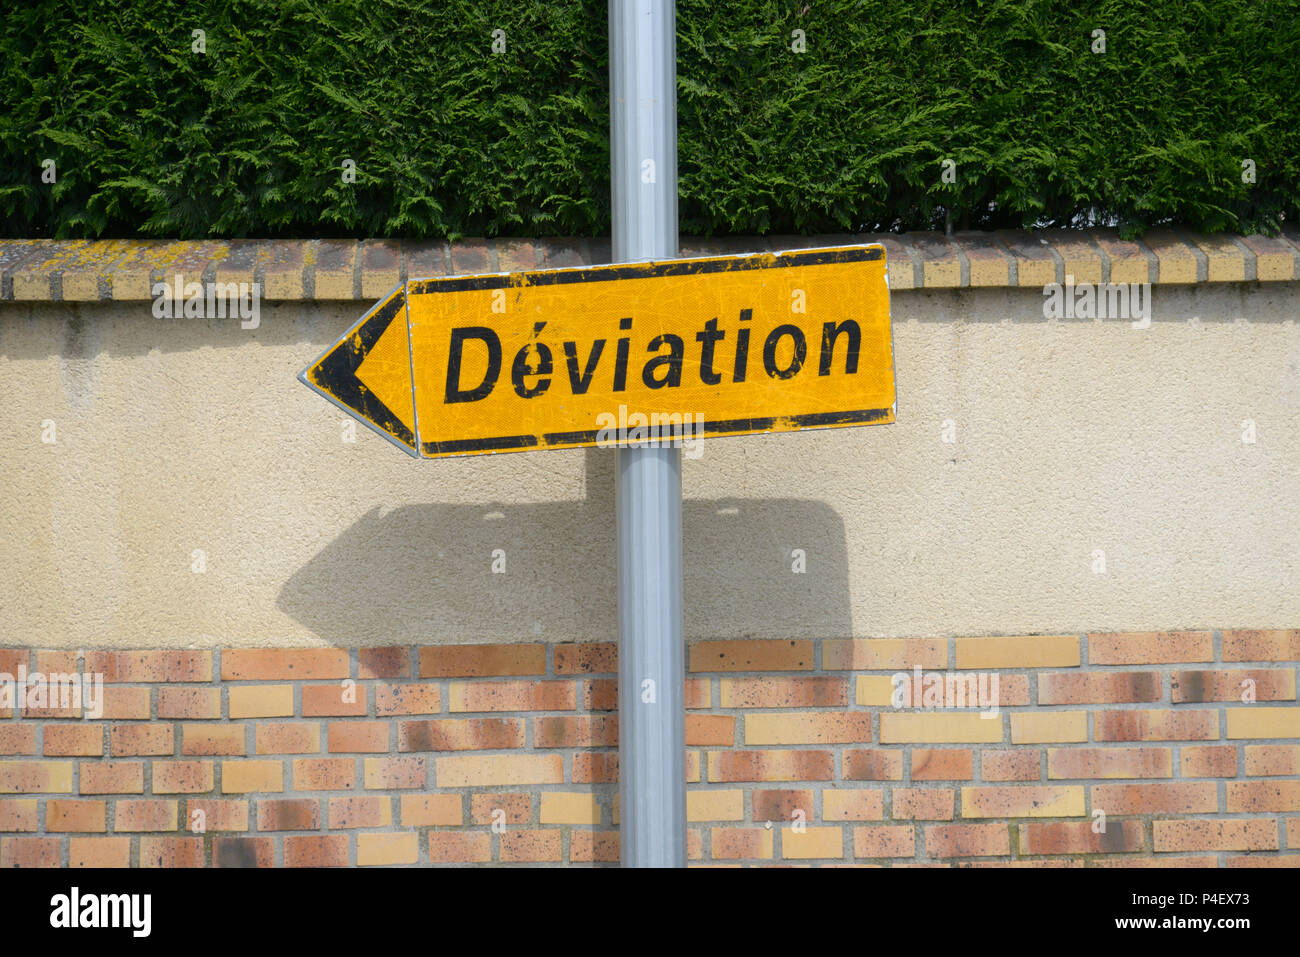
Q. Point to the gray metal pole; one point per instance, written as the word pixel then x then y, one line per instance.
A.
pixel 651 660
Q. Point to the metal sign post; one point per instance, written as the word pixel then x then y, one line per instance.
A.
pixel 651 655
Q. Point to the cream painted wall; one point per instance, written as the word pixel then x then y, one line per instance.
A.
pixel 1071 437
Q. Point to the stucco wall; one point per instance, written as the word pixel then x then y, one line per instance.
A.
pixel 1071 436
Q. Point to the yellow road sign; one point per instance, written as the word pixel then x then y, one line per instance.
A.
pixel 565 358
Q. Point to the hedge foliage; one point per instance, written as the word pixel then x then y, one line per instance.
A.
pixel 449 138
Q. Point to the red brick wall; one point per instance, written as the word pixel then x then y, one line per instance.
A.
pixel 407 755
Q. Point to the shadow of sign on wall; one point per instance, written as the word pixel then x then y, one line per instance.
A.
pixel 428 570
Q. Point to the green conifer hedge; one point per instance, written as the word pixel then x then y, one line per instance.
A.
pixel 802 116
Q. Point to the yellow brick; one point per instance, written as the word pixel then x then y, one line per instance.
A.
pixel 986 273
pixel 35 777
pixel 1273 266
pixel 1054 801
pixel 473 770
pixel 939 728
pixel 813 842
pixel 560 808
pixel 1035 272
pixel 989 271
pixel 1049 726
pixel 14 810
pixel 819 727
pixel 241 777
pixel 1261 722
pixel 1079 257
pixel 58 777
pixel 126 283
pixel 34 287
pixel 852 805
pixel 1224 257
pixel 80 286
pixel 431 809
pixel 334 285
pixel 381 849
pixel 1083 264
pixel 1177 264
pixel 283 284
pixel 227 271
pixel 261 701
pixel 899 275
pixel 379 282
pixel 898 265
pixel 1134 269
pixel 880 654
pixel 715 805
pixel 1033 651
pixel 875 690
pixel 943 274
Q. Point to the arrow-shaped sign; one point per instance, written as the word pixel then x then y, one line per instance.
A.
pixel 565 358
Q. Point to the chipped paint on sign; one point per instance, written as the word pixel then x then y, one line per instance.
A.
pixel 548 358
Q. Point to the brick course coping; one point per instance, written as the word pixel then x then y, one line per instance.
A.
pixel 114 270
